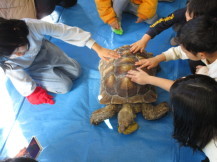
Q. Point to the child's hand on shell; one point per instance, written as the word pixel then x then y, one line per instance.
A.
pixel 138 76
pixel 149 63
pixel 105 54
pixel 138 46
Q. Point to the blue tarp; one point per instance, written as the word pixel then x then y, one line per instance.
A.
pixel 64 129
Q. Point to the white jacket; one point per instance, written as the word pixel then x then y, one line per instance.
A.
pixel 211 150
pixel 176 53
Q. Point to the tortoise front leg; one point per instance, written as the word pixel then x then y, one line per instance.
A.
pixel 151 112
pixel 104 113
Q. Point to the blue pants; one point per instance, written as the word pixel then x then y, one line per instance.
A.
pixel 53 69
pixel 120 6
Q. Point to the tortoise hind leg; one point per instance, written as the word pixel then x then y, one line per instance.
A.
pixel 151 112
pixel 104 113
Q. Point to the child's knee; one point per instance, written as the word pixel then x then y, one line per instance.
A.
pixel 152 20
pixel 62 87
pixel 78 72
pixel 65 87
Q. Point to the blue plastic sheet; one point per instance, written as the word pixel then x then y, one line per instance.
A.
pixel 64 129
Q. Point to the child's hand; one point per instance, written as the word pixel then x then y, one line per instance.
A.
pixel 200 69
pixel 149 63
pixel 138 46
pixel 105 54
pixel 138 76
pixel 141 44
pixel 115 24
pixel 139 20
pixel 21 153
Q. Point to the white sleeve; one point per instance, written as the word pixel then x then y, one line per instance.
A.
pixel 71 35
pixel 210 150
pixel 24 84
pixel 175 53
pixel 203 70
pixel 213 70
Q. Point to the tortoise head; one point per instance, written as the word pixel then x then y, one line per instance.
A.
pixel 125 117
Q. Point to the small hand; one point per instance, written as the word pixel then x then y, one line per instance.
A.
pixel 21 153
pixel 139 20
pixel 138 76
pixel 138 46
pixel 105 54
pixel 115 24
pixel 200 69
pixel 149 63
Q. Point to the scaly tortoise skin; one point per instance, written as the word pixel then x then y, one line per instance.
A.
pixel 123 96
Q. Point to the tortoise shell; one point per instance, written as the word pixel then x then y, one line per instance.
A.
pixel 116 88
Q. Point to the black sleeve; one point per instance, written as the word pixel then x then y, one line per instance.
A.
pixel 164 23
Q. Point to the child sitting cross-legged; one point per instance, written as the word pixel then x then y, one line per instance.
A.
pixel 36 66
pixel 110 11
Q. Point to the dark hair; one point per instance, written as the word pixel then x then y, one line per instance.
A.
pixel 19 159
pixel 199 35
pixel 202 7
pixel 13 34
pixel 194 104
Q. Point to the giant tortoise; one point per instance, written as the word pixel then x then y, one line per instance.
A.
pixel 123 96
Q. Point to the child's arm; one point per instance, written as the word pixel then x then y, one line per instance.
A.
pixel 151 62
pixel 173 53
pixel 71 35
pixel 141 44
pixel 156 28
pixel 164 23
pixel 106 11
pixel 140 77
pixel 104 53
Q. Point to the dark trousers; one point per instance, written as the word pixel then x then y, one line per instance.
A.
pixel 46 7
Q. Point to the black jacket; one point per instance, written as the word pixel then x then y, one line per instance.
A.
pixel 177 17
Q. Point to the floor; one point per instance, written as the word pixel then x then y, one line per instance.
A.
pixel 64 129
